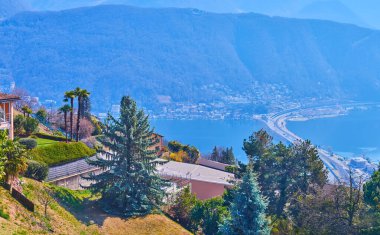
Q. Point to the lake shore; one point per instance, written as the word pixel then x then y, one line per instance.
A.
pixel 337 166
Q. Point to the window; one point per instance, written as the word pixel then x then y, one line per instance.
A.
pixel 2 115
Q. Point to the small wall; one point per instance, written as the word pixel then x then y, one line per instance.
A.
pixel 205 190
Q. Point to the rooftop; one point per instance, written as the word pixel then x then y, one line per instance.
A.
pixel 7 97
pixel 212 164
pixel 195 172
pixel 70 169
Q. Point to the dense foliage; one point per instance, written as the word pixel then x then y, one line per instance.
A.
pixel 372 191
pixel 183 153
pixel 25 125
pixel 182 206
pixel 223 155
pixel 247 209
pixel 36 170
pixel 12 158
pixel 284 170
pixel 49 137
pixel 29 143
pixel 42 115
pixel 59 153
pixel 208 215
pixel 129 185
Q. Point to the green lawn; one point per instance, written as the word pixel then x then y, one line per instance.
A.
pixel 45 142
pixel 57 153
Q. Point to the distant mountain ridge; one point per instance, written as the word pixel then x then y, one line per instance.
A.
pixel 189 55
pixel 10 7
pixel 363 12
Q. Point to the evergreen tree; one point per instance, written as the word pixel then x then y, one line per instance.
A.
pixel 230 157
pixel 371 191
pixel 247 210
pixel 129 184
pixel 258 144
pixel 215 154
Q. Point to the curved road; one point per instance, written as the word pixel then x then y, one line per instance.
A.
pixel 338 170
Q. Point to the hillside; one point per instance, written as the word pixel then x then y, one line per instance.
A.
pixel 62 221
pixel 187 55
pixel 22 221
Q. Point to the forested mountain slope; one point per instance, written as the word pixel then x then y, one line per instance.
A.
pixel 189 55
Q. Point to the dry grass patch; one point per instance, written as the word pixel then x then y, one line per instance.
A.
pixel 150 224
pixel 22 221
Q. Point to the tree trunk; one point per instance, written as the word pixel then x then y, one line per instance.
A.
pixel 65 118
pixel 78 120
pixel 71 117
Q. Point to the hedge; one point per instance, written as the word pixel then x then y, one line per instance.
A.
pixel 29 143
pixel 50 137
pixel 36 170
pixel 60 153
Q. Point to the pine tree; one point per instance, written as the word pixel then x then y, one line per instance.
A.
pixel 129 184
pixel 215 154
pixel 230 157
pixel 247 210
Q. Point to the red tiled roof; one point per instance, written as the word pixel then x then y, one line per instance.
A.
pixel 8 97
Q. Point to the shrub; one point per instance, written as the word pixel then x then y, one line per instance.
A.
pixel 41 115
pixel 36 170
pixel 50 137
pixel 18 124
pixel 191 156
pixel 59 153
pixel 58 133
pixel 208 214
pixel 30 125
pixel 3 214
pixel 29 143
pixel 182 207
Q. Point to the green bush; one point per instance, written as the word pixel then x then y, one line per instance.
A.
pixel 30 125
pixel 36 170
pixel 29 143
pixel 50 137
pixel 18 124
pixel 59 153
pixel 3 214
pixel 41 115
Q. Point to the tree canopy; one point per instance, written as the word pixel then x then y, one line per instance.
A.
pixel 129 184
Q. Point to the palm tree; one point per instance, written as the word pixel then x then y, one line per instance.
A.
pixel 70 95
pixel 80 93
pixel 65 109
pixel 26 110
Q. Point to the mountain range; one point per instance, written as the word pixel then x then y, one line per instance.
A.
pixel 186 54
pixel 362 13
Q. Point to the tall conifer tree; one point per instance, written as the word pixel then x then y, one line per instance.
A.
pixel 129 184
pixel 247 210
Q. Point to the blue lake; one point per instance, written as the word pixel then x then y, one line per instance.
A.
pixel 205 134
pixel 356 134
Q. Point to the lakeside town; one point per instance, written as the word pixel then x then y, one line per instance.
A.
pixel 76 151
pixel 189 117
